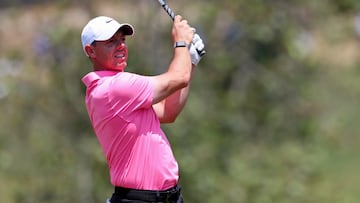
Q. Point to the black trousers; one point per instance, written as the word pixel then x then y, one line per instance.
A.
pixel 126 195
pixel 180 200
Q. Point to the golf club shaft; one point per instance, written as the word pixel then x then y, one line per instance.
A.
pixel 167 9
pixel 172 16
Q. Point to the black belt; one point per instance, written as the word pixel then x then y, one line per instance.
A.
pixel 166 196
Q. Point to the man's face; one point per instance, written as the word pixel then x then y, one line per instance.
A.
pixel 111 54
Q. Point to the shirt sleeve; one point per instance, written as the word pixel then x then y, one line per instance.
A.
pixel 129 92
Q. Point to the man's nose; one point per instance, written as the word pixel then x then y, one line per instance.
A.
pixel 121 43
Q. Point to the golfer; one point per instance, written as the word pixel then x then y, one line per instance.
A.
pixel 126 109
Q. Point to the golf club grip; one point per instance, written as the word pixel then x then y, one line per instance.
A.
pixel 172 16
pixel 167 9
pixel 201 52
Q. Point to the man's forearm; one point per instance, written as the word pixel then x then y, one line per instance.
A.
pixel 174 104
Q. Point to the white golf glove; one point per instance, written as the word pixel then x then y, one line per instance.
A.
pixel 197 46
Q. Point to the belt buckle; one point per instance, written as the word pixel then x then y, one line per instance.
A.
pixel 172 195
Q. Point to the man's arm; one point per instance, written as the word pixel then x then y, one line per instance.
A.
pixel 168 109
pixel 179 71
pixel 171 89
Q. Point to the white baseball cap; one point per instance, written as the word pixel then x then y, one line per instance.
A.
pixel 102 28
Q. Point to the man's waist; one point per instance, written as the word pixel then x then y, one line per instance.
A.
pixel 150 178
pixel 169 195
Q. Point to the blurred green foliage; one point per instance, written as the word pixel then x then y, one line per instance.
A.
pixel 272 116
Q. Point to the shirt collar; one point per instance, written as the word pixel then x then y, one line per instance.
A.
pixel 96 75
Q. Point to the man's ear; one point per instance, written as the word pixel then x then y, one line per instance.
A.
pixel 90 51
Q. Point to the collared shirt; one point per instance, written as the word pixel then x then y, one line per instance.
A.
pixel 138 153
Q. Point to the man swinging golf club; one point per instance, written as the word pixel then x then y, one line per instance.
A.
pixel 126 109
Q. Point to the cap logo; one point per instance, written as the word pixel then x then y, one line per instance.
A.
pixel 108 21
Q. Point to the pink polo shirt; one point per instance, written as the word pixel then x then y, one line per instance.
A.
pixel 138 153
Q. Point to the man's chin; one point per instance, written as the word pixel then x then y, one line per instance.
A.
pixel 120 67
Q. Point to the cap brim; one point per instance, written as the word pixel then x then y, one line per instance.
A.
pixel 127 29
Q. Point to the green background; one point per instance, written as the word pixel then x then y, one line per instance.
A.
pixel 272 117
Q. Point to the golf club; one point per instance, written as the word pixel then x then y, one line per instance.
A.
pixel 172 16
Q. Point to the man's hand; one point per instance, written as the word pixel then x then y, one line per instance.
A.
pixel 181 30
pixel 196 47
